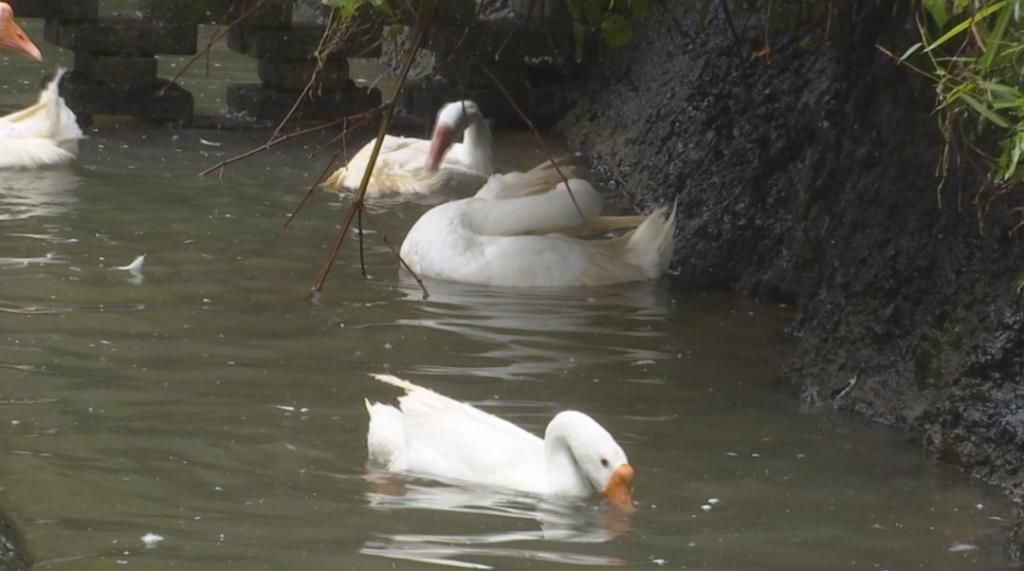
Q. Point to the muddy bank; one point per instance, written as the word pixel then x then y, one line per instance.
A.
pixel 808 176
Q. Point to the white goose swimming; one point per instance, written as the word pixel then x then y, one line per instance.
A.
pixel 522 242
pixel 408 165
pixel 42 134
pixel 433 435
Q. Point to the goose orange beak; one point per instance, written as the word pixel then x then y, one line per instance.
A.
pixel 13 37
pixel 444 136
pixel 619 491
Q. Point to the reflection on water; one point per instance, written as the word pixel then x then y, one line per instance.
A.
pixel 511 320
pixel 37 193
pixel 211 404
pixel 554 521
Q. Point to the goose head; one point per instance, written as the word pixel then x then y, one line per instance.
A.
pixel 452 119
pixel 13 37
pixel 582 457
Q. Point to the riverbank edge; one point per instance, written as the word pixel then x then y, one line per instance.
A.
pixel 807 174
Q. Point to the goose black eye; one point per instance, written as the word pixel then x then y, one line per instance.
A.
pixel 604 462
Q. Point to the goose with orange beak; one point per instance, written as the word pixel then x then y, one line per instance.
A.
pixel 13 37
pixel 432 435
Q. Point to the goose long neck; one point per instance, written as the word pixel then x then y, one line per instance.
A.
pixel 563 472
pixel 478 145
pixel 540 213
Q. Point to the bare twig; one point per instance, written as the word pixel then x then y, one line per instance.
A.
pixel 536 133
pixel 384 238
pixel 312 189
pixel 321 59
pixel 363 119
pixel 268 144
pixel 358 205
pixel 362 249
pixel 209 44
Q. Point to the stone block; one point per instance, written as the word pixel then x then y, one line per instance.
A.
pixel 294 75
pixel 297 43
pixel 123 36
pixel 149 102
pixel 262 103
pixel 272 13
pixel 68 10
pixel 120 72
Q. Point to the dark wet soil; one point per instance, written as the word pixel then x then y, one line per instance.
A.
pixel 807 176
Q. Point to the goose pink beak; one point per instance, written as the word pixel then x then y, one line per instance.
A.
pixel 619 491
pixel 444 136
pixel 13 37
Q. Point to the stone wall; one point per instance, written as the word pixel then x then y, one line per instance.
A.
pixel 807 175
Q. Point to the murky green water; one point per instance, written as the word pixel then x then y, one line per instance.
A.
pixel 211 404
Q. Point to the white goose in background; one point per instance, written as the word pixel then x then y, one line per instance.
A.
pixel 521 241
pixel 408 165
pixel 430 434
pixel 42 134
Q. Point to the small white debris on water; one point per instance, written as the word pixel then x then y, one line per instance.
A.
pixel 659 561
pixel 755 455
pixel 980 506
pixel 209 143
pixel 731 454
pixel 643 362
pixel 387 345
pixel 151 540
pixel 706 507
pixel 958 547
pixel 713 501
pixel 135 268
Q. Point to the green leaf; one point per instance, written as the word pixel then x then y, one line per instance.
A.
pixel 910 51
pixel 1017 144
pixel 984 111
pixel 579 34
pixel 593 11
pixel 966 23
pixel 937 10
pixel 1000 89
pixel 639 8
pixel 994 40
pixel 616 30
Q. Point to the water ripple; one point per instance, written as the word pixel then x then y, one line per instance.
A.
pixel 558 522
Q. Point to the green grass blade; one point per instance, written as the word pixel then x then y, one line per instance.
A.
pixel 973 19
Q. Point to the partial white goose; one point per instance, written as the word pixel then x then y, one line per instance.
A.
pixel 42 134
pixel 433 435
pixel 408 165
pixel 521 242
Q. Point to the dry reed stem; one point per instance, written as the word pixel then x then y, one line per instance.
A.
pixel 358 205
pixel 209 45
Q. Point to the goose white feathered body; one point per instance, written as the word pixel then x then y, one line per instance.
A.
pixel 404 167
pixel 434 435
pixel 45 133
pixel 516 242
